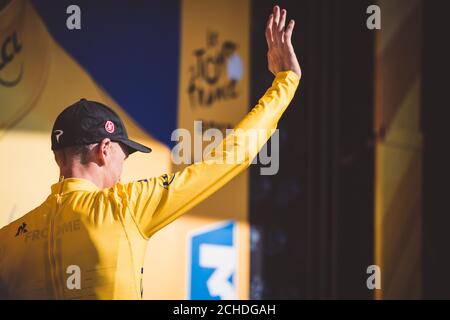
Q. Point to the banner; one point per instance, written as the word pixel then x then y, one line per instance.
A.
pixel 205 254
pixel 398 171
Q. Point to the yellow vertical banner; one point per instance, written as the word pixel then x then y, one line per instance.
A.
pixel 398 166
pixel 205 254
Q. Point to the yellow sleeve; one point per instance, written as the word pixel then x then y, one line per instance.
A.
pixel 158 201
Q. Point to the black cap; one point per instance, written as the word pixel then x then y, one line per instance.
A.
pixel 87 122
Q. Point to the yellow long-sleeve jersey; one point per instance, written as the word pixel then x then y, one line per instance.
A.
pixel 87 243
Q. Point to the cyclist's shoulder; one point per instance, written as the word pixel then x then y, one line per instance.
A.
pixel 139 185
pixel 29 215
pixel 21 224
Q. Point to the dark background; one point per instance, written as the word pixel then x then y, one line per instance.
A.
pixel 435 117
pixel 321 241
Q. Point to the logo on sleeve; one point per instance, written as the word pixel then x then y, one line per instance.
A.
pixel 166 181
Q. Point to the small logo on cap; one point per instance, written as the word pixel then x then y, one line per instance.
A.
pixel 58 133
pixel 109 126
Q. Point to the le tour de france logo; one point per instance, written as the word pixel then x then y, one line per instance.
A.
pixel 215 72
pixel 10 47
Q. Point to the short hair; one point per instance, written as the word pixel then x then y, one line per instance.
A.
pixel 81 152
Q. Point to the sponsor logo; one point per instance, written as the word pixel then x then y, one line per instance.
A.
pixel 58 134
pixel 167 181
pixel 9 49
pixel 22 229
pixel 212 270
pixel 109 126
pixel 64 228
pixel 215 73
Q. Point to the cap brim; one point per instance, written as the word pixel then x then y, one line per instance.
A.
pixel 133 146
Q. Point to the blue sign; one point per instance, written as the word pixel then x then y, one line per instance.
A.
pixel 212 271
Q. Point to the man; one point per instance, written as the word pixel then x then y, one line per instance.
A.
pixel 88 239
pixel 34 85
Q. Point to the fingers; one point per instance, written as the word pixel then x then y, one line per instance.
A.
pixel 278 25
pixel 269 36
pixel 276 21
pixel 281 55
pixel 282 20
pixel 276 14
pixel 288 33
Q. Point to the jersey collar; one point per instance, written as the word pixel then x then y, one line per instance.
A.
pixel 73 184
